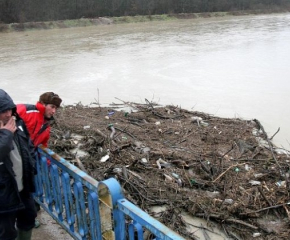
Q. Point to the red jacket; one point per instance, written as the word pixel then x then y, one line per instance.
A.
pixel 38 127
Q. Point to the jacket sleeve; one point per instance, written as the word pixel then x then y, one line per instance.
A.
pixel 21 110
pixel 6 138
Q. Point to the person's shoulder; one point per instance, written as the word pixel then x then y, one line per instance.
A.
pixel 26 107
pixel 30 107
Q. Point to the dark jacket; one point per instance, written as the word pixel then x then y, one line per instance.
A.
pixel 9 195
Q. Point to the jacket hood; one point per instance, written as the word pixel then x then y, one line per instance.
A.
pixel 6 102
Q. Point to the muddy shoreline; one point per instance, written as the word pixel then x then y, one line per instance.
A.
pixel 219 169
pixel 85 22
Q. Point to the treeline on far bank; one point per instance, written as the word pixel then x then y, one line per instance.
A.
pixel 19 11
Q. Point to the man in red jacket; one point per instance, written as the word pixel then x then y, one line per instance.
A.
pixel 38 119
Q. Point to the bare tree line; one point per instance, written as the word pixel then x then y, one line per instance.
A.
pixel 20 11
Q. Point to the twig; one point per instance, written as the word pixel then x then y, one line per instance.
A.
pixel 101 133
pixel 124 170
pixel 287 211
pixel 80 164
pixel 159 115
pixel 233 146
pixel 270 145
pixel 201 227
pixel 206 236
pixel 121 147
pixel 127 103
pixel 267 208
pixel 226 171
pixel 160 201
pixel 126 132
pixel 274 134
pixel 263 195
pixel 229 220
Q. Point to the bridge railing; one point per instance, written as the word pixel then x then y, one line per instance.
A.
pixel 88 209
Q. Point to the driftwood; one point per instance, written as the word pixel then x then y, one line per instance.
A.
pixel 211 171
pixel 227 220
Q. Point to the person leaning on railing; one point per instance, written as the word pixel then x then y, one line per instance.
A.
pixel 17 170
pixel 38 119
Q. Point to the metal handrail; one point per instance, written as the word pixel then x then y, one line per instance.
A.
pixel 88 209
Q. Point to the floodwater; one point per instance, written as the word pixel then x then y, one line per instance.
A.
pixel 227 67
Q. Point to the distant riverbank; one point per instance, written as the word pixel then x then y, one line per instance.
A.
pixel 85 22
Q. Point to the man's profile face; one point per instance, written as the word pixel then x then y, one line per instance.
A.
pixel 5 116
pixel 50 110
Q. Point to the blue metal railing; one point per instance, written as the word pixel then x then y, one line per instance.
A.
pixel 88 209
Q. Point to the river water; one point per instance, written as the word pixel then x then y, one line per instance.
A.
pixel 228 66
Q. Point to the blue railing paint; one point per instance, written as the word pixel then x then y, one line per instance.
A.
pixel 88 209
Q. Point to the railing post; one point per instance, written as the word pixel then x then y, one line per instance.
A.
pixel 109 193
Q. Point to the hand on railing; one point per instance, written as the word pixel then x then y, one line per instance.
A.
pixel 48 162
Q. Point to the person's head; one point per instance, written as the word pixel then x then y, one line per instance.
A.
pixel 7 107
pixel 51 101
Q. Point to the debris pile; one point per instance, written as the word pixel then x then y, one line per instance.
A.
pixel 220 169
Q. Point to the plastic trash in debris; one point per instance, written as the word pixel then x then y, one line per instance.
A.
pixel 159 161
pixel 203 123
pixel 237 169
pixel 254 183
pixel 281 183
pixel 199 121
pixel 258 175
pixel 256 235
pixel 255 132
pixel 165 165
pixel 278 183
pixel 117 170
pixel 126 114
pixel 179 182
pixel 111 126
pixel 145 150
pixel 110 113
pixel 87 127
pixel 107 117
pixel 228 201
pixel 139 144
pixel 140 147
pixel 213 194
pixel 175 175
pixel 196 119
pixel 192 181
pixel 167 177
pixel 281 151
pixel 104 158
pixel 247 167
pixel 144 160
pixel 157 123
